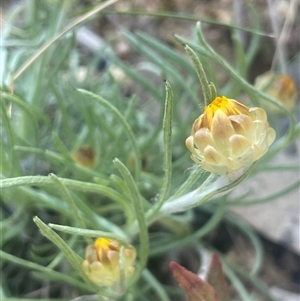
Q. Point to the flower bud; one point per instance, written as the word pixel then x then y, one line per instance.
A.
pixel 280 87
pixel 103 265
pixel 229 136
pixel 85 156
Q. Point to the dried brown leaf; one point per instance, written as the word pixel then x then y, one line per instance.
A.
pixel 195 288
pixel 216 278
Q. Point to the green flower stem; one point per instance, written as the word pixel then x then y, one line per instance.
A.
pixel 214 186
pixel 140 217
pixel 167 134
pixel 195 197
pixel 201 75
pixel 125 124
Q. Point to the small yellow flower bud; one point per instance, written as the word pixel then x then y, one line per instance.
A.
pixel 85 156
pixel 280 87
pixel 229 136
pixel 102 263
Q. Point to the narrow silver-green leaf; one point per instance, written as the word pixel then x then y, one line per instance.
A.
pixel 89 233
pixel 66 195
pixel 74 259
pixel 167 163
pixel 213 90
pixel 201 75
pixel 140 217
pixel 74 184
pixel 61 147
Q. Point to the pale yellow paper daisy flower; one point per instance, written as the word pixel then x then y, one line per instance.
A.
pixel 102 263
pixel 229 136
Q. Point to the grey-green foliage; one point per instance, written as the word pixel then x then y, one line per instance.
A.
pixel 62 102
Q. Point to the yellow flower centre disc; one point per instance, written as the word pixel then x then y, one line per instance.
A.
pixel 102 242
pixel 223 104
